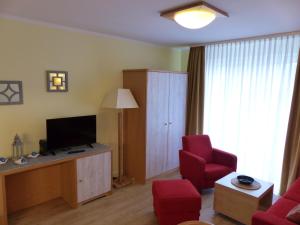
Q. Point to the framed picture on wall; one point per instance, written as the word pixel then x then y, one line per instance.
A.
pixel 11 92
pixel 57 81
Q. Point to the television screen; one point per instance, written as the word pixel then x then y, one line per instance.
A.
pixel 70 132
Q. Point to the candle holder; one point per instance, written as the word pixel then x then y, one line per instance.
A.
pixel 17 151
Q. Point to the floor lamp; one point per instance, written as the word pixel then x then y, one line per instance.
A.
pixel 120 99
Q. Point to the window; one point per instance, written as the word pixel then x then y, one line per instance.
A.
pixel 248 92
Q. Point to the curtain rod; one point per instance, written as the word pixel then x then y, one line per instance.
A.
pixel 248 38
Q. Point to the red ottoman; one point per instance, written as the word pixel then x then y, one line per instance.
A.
pixel 175 201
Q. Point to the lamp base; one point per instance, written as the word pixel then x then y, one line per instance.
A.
pixel 122 182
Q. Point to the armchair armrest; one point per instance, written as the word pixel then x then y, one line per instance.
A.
pixel 192 167
pixel 224 158
pixel 264 218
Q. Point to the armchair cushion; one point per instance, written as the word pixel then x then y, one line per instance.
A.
pixel 263 218
pixel 282 207
pixel 199 145
pixel 192 167
pixel 293 192
pixel 224 158
pixel 215 171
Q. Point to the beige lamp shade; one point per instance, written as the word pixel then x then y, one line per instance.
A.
pixel 119 99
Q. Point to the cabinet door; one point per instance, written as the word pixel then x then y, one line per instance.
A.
pixel 157 123
pixel 177 113
pixel 93 176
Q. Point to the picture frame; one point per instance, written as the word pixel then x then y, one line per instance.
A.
pixel 11 92
pixel 57 81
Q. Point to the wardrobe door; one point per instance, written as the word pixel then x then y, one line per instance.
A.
pixel 177 113
pixel 157 123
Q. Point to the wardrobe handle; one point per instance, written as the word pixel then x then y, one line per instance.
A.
pixel 170 123
pixel 165 124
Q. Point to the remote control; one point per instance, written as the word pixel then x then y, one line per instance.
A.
pixel 75 151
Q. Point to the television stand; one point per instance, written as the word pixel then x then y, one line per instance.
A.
pixel 71 177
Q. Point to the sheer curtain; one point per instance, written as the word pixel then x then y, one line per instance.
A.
pixel 248 91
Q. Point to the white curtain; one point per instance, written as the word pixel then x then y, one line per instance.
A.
pixel 248 92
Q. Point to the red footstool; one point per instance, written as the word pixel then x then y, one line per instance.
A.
pixel 175 201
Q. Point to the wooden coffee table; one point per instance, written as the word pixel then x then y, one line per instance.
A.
pixel 240 204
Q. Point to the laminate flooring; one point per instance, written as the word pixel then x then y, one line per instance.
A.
pixel 131 205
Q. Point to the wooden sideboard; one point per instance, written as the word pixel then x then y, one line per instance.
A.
pixel 76 178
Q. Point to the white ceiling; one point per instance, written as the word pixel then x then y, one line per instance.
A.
pixel 140 20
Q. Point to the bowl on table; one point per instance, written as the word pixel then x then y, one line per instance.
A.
pixel 246 180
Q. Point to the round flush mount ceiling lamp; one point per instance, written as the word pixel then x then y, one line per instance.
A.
pixel 194 15
pixel 194 18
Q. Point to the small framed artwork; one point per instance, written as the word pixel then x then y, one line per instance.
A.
pixel 11 92
pixel 57 81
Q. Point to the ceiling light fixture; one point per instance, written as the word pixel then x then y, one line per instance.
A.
pixel 194 15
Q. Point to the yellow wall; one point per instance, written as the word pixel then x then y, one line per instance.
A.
pixel 184 58
pixel 94 63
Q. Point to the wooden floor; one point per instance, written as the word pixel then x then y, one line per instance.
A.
pixel 128 206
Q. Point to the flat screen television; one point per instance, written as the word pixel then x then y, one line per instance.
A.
pixel 71 132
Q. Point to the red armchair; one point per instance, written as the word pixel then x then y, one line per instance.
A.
pixel 202 164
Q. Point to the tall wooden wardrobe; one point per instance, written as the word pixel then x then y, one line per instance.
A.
pixel 152 133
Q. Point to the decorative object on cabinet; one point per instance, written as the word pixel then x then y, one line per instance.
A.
pixel 17 148
pixel 11 92
pixel 120 99
pixel 20 161
pixel 33 155
pixel 153 132
pixel 3 160
pixel 194 15
pixel 57 81
pixel 43 147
